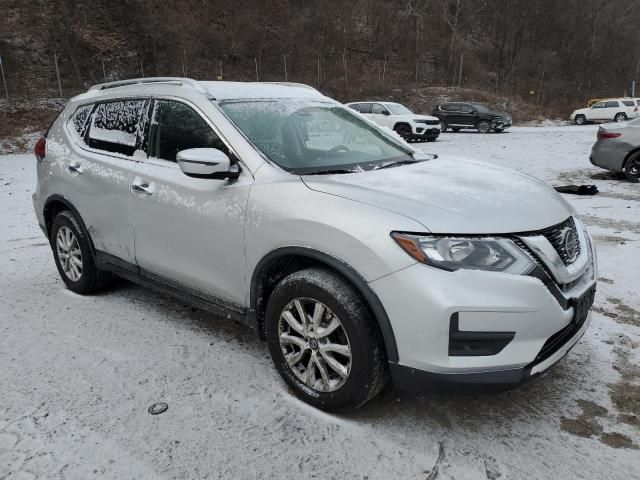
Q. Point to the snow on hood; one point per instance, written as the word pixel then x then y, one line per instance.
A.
pixel 453 195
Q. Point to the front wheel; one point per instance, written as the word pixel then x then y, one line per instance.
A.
pixel 323 340
pixel 404 131
pixel 580 120
pixel 632 168
pixel 620 117
pixel 432 138
pixel 484 126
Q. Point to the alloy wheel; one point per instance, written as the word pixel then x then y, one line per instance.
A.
pixel 314 344
pixel 69 254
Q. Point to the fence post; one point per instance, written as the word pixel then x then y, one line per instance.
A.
pixel 344 61
pixel 460 71
pixel 104 72
pixel 55 59
pixel 284 58
pixel 141 68
pixel 184 62
pixel 319 77
pixel 255 59
pixel 384 67
pixel 6 92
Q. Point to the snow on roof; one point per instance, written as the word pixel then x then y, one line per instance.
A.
pixel 243 90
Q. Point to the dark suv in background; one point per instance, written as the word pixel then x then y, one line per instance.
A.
pixel 458 115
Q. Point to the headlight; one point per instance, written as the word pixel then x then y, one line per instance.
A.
pixel 453 253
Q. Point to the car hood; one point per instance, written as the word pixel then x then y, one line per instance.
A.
pixel 580 110
pixel 424 117
pixel 453 195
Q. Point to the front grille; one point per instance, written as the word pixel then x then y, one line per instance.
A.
pixel 557 236
pixel 429 122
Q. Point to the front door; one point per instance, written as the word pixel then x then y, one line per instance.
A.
pixel 188 231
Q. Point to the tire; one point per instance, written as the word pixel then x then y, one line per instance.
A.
pixel 483 126
pixel 620 117
pixel 74 257
pixel 357 332
pixel 432 139
pixel 580 120
pixel 498 130
pixel 404 131
pixel 632 168
pixel 443 126
pixel 455 129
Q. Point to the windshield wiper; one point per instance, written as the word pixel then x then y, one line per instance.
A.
pixel 330 171
pixel 398 163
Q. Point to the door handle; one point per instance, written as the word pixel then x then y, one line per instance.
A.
pixel 142 187
pixel 75 167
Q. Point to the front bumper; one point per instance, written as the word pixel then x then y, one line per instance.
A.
pixel 423 132
pixel 421 302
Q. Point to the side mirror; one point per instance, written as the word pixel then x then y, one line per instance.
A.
pixel 386 112
pixel 207 163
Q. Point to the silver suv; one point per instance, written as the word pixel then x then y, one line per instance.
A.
pixel 354 255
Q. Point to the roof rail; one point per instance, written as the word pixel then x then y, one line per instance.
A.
pixel 151 80
pixel 292 84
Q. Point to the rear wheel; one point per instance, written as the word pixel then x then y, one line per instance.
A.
pixel 632 168
pixel 73 256
pixel 443 126
pixel 404 131
pixel 323 341
pixel 620 117
pixel 484 126
pixel 580 120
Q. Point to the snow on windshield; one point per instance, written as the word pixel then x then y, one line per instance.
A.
pixel 398 109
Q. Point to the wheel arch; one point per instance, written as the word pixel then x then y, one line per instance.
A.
pixel 628 156
pixel 283 261
pixel 402 122
pixel 54 205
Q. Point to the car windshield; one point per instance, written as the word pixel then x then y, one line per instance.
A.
pixel 313 137
pixel 398 109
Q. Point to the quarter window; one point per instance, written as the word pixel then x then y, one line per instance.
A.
pixel 176 127
pixel 80 116
pixel 629 103
pixel 114 126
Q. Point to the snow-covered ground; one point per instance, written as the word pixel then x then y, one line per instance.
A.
pixel 77 374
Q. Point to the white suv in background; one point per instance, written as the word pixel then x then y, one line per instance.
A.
pixel 399 118
pixel 613 109
pixel 356 256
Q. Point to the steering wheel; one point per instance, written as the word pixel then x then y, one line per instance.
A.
pixel 339 148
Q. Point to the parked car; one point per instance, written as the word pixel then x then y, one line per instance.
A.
pixel 356 256
pixel 459 115
pixel 407 124
pixel 618 148
pixel 616 109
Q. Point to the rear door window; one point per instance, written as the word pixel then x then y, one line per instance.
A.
pixel 612 104
pixel 364 108
pixel 114 126
pixel 176 127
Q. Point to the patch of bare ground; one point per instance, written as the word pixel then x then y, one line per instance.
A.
pixel 620 225
pixel 621 313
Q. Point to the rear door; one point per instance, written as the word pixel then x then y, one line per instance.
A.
pixel 188 231
pixel 100 169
